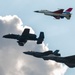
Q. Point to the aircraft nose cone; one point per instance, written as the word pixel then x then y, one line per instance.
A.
pixel 7 36
pixel 29 53
pixel 4 36
pixel 26 52
pixel 36 11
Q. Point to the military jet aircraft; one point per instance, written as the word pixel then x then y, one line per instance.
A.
pixel 68 60
pixel 43 54
pixel 55 56
pixel 22 39
pixel 58 13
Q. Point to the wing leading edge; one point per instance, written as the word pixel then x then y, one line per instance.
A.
pixel 25 32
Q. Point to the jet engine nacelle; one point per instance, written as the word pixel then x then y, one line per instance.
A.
pixel 21 43
pixel 68 16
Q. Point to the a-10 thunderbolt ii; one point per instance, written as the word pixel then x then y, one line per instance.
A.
pixel 43 54
pixel 22 39
pixel 55 56
pixel 57 14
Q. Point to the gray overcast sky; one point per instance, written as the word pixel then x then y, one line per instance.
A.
pixel 59 34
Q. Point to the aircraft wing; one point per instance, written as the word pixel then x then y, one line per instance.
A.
pixel 60 11
pixel 70 57
pixel 26 32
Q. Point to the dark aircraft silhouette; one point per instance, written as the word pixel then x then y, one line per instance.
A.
pixel 55 56
pixel 43 54
pixel 68 60
pixel 22 39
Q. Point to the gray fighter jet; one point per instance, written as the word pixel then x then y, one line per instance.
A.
pixel 22 39
pixel 43 54
pixel 55 56
pixel 58 13
pixel 68 60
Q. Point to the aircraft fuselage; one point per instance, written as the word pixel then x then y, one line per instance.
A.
pixel 55 14
pixel 35 54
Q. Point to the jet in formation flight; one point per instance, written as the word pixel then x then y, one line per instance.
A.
pixel 22 39
pixel 43 54
pixel 50 55
pixel 58 13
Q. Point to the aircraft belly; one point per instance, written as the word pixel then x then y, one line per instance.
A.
pixel 55 14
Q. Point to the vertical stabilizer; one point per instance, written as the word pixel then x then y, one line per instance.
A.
pixel 56 52
pixel 69 10
pixel 40 38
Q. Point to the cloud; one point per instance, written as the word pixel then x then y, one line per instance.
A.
pixel 12 59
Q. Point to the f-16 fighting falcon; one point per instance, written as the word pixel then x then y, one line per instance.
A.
pixel 43 54
pixel 58 13
pixel 22 39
